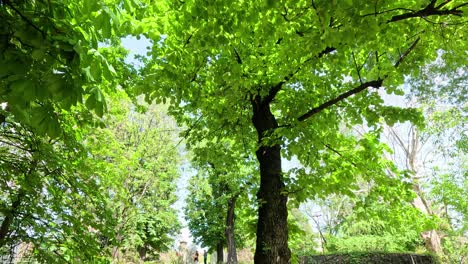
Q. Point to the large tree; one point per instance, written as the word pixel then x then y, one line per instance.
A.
pixel 289 75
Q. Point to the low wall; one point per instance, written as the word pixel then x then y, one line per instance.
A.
pixel 369 258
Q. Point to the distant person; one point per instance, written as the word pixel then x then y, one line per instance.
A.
pixel 205 256
pixel 195 257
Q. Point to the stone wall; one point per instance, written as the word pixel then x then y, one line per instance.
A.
pixel 369 258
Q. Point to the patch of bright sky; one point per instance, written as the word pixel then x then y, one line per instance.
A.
pixel 137 47
pixel 186 172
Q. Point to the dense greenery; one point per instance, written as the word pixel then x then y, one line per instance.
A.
pixel 136 161
pixel 93 199
pixel 220 191
pixel 73 192
pixel 89 158
pixel 51 56
pixel 434 158
pixel 49 194
pixel 294 77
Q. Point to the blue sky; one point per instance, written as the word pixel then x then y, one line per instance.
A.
pixel 136 47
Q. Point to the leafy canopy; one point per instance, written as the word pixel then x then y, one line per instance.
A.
pixel 61 53
pixel 321 65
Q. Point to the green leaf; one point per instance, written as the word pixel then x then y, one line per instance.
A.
pixel 87 72
pixel 22 86
pixel 91 102
pixel 38 54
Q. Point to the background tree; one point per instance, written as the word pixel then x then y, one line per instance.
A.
pixel 220 189
pixel 436 154
pixel 430 156
pixel 364 221
pixel 303 240
pixel 50 198
pixel 288 76
pixel 137 163
pixel 206 216
pixel 55 55
pixel 93 190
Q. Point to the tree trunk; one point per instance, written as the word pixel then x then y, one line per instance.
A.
pixel 142 252
pixel 115 250
pixel 272 225
pixel 219 252
pixel 230 239
pixel 412 150
pixel 432 239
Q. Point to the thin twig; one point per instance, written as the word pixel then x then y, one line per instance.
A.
pixel 387 11
pixel 405 54
pixel 357 68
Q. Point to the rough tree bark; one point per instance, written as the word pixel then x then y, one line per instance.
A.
pixel 230 239
pixel 219 253
pixel 272 225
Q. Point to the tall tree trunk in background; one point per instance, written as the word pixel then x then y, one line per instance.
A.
pixel 411 149
pixel 432 239
pixel 230 239
pixel 272 225
pixel 219 253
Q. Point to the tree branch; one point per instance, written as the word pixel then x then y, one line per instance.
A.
pixel 326 51
pixel 277 87
pixel 341 97
pixel 358 69
pixel 273 91
pixel 387 11
pixel 188 40
pixel 363 86
pixel 9 4
pixel 238 58
pixel 328 146
pixel 432 3
pixel 403 56
pixel 460 5
pixel 430 10
pixel 443 3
